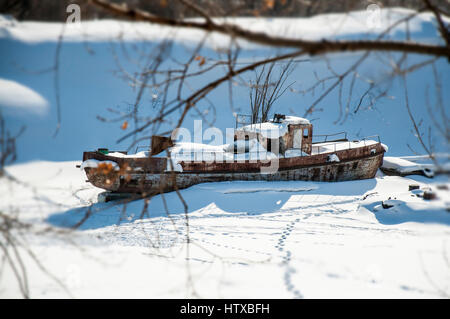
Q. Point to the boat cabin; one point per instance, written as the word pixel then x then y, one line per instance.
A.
pixel 280 134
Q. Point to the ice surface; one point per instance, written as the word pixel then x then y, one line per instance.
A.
pixel 91 50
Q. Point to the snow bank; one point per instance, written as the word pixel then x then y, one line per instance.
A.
pixel 405 167
pixel 311 28
pixel 327 233
pixel 18 97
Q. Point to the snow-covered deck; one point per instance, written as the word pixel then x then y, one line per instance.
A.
pixel 330 147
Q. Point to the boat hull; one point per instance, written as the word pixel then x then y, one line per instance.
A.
pixel 361 163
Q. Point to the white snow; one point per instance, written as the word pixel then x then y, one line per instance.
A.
pixel 196 147
pixel 17 98
pixel 292 152
pixel 289 119
pixel 141 154
pixel 329 147
pixel 274 130
pixel 313 28
pixel 266 129
pixel 333 158
pixel 249 239
pixel 305 239
pixel 196 151
pixel 236 189
pixel 404 166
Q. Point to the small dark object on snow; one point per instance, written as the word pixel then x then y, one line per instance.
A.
pixel 413 187
pixel 385 206
pixel 370 194
pixel 429 195
pixel 442 187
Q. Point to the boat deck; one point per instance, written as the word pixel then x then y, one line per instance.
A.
pixel 334 146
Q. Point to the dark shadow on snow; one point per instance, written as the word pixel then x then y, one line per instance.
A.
pixel 404 214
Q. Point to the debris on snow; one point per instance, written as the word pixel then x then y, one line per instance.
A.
pixel 429 195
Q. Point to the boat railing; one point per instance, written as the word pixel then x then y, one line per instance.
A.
pixel 336 142
pixel 213 156
pixel 329 135
pixel 372 136
pixel 142 146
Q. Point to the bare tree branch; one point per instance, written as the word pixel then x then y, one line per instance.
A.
pixel 309 47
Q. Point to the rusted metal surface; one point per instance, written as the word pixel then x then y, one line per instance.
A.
pixel 306 140
pixel 284 142
pixel 148 175
pixel 284 163
pixel 148 164
pixel 160 143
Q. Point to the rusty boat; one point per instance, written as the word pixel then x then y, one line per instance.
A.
pixel 281 149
